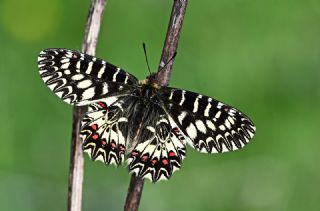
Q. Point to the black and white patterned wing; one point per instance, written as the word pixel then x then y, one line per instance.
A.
pixel 212 126
pixel 81 79
pixel 104 132
pixel 160 150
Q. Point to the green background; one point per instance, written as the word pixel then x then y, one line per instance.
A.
pixel 261 56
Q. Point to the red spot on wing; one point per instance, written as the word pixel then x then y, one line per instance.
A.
pixel 113 145
pixel 176 130
pixel 165 161
pixel 134 153
pixel 145 157
pixel 172 154
pixel 154 161
pixel 103 142
pixel 103 105
pixel 94 127
pixel 95 136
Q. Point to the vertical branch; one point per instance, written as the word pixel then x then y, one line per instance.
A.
pixel 93 26
pixel 76 163
pixel 134 194
pixel 171 41
pixel 76 157
pixel 162 78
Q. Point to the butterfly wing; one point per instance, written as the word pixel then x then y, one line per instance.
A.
pixel 156 148
pixel 104 132
pixel 81 79
pixel 210 125
pixel 160 150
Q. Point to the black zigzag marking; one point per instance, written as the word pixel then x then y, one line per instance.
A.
pixel 159 153
pixel 104 132
pixel 211 125
pixel 80 78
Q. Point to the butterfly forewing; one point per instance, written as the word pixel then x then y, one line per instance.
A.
pixel 212 126
pixel 80 78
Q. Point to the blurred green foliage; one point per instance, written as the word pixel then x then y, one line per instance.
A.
pixel 262 57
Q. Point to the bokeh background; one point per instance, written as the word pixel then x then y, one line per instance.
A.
pixel 260 56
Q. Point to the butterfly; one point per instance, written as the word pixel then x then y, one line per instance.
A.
pixel 141 122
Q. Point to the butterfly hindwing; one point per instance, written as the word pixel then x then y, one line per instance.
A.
pixel 104 132
pixel 159 152
pixel 81 79
pixel 212 126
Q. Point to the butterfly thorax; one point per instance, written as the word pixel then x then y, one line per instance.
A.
pixel 148 90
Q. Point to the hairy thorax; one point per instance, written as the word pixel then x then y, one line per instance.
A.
pixel 148 91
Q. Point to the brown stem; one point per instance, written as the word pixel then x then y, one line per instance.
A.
pixel 76 157
pixel 171 41
pixel 134 194
pixel 162 78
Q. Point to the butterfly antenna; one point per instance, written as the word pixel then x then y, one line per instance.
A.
pixel 145 54
pixel 173 56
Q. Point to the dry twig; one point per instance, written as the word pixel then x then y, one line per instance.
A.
pixel 76 157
